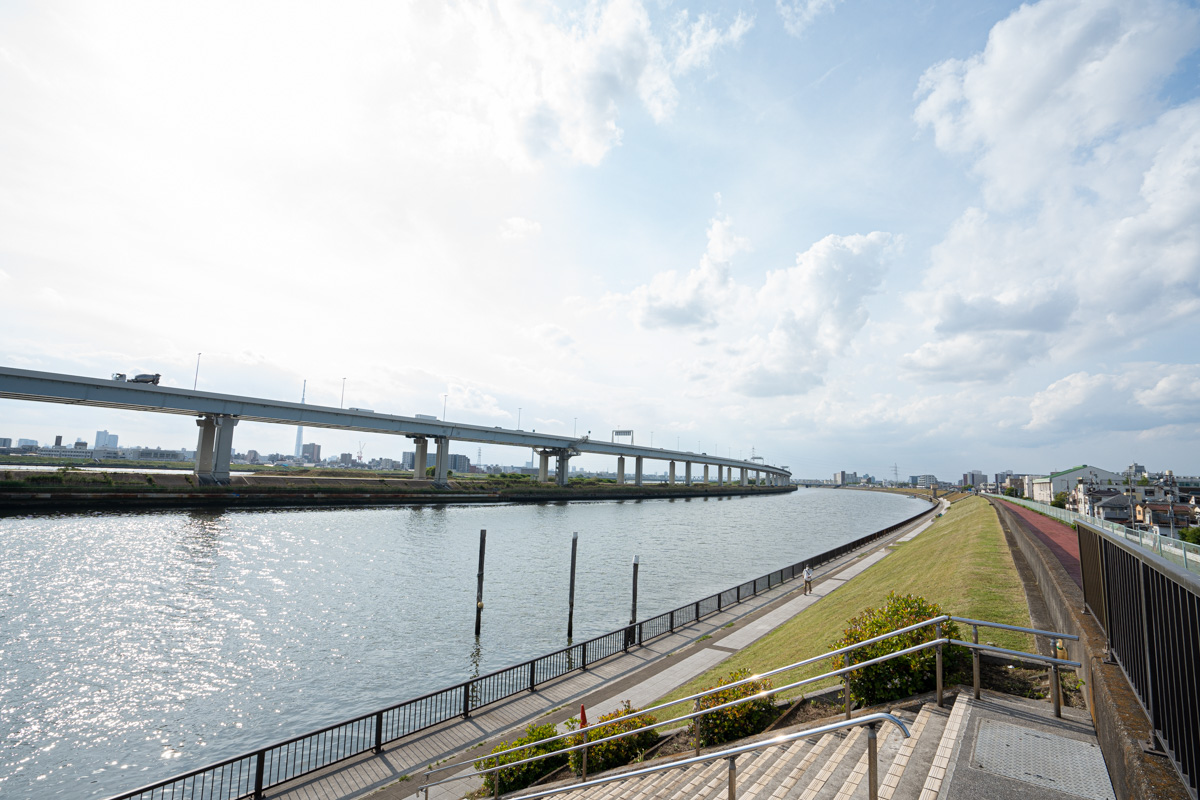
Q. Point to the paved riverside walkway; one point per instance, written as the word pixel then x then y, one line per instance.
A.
pixel 641 676
pixel 1058 536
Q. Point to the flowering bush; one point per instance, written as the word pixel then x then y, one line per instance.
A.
pixel 523 775
pixel 906 675
pixel 740 721
pixel 620 752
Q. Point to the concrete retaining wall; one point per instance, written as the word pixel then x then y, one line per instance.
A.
pixel 1121 724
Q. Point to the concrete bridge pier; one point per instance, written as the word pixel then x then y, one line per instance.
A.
pixel 743 481
pixel 706 473
pixel 543 466
pixel 687 473
pixel 214 449
pixel 637 470
pixel 671 479
pixel 562 471
pixel 441 461
pixel 720 476
pixel 420 456
pixel 620 469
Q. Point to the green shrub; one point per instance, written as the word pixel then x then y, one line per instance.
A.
pixel 740 721
pixel 1190 535
pixel 515 778
pixel 906 675
pixel 613 754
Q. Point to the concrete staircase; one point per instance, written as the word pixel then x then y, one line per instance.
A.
pixel 835 766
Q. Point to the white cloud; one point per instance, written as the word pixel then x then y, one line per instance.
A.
pixel 696 41
pixel 556 335
pixel 1141 397
pixel 777 339
pixel 799 14
pixel 815 309
pixel 472 401
pixel 1086 234
pixel 518 228
pixel 1055 76
pixel 696 298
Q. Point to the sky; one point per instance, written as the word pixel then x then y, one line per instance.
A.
pixel 921 237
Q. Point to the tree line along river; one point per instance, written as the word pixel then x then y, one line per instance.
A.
pixel 136 646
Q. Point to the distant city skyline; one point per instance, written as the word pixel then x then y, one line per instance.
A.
pixel 940 236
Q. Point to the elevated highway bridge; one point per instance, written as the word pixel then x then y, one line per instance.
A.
pixel 218 414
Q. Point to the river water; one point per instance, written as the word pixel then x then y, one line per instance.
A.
pixel 137 646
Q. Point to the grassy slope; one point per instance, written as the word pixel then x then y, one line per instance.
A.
pixel 961 562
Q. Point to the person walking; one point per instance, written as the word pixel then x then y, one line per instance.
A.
pixel 807 580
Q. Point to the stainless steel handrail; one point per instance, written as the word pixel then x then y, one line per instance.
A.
pixel 1002 626
pixel 975 647
pixel 593 742
pixel 789 667
pixel 707 692
pixel 871 720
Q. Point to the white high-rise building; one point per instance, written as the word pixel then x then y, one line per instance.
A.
pixel 105 439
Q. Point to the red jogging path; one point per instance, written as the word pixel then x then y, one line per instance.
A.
pixel 1059 537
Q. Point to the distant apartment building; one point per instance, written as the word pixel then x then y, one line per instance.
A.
pixel 106 439
pixel 5 442
pixel 457 463
pixel 346 459
pixel 974 478
pixel 1044 489
pixel 843 478
pixel 922 481
pixel 311 452
pixel 32 443
pixel 153 454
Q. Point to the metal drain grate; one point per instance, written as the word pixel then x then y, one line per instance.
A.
pixel 1042 759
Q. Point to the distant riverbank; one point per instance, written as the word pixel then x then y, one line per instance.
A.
pixel 88 490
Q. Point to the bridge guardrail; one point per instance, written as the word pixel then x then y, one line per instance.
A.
pixel 1150 613
pixel 249 775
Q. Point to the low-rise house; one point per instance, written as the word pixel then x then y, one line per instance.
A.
pixel 1167 517
pixel 1117 509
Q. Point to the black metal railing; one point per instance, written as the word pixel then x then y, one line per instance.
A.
pixel 1150 611
pixel 249 775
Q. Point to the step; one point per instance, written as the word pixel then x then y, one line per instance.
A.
pixel 824 745
pixel 718 787
pixel 956 726
pixel 685 786
pixel 834 770
pixel 781 761
pixel 763 767
pixel 895 772
pixel 888 743
pixel 909 777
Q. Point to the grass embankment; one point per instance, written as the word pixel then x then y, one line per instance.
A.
pixel 961 562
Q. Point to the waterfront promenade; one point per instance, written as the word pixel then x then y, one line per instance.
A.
pixel 640 676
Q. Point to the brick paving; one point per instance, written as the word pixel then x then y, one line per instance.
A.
pixel 1059 537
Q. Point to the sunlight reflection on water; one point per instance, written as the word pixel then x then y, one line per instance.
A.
pixel 140 645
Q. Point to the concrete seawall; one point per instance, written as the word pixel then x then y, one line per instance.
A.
pixel 136 490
